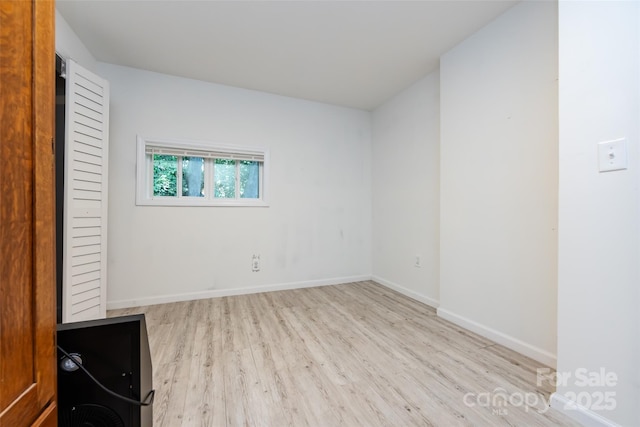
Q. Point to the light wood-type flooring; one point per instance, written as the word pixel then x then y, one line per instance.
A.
pixel 357 354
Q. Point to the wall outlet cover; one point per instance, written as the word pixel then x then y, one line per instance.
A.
pixel 612 155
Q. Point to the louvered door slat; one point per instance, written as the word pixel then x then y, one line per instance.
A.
pixel 85 212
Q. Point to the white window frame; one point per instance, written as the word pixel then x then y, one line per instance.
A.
pixel 144 173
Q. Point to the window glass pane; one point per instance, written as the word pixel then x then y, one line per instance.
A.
pixel 193 176
pixel 225 179
pixel 165 174
pixel 249 181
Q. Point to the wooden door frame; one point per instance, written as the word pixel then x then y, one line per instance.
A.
pixel 27 67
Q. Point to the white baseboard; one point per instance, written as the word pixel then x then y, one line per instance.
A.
pixel 508 341
pixel 163 299
pixel 407 292
pixel 584 416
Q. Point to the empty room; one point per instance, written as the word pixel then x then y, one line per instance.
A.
pixel 348 213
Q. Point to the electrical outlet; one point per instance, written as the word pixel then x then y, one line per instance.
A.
pixel 255 263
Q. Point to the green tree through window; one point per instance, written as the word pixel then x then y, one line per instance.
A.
pixel 165 175
pixel 194 173
pixel 249 186
pixel 193 176
pixel 225 179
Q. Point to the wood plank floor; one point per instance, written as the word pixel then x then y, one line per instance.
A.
pixel 357 354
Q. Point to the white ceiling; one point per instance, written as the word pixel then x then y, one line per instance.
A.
pixel 351 53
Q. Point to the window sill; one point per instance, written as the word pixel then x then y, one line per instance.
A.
pixel 184 201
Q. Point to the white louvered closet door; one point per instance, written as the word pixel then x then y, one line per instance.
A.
pixel 85 195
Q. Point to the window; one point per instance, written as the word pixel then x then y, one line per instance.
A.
pixel 191 173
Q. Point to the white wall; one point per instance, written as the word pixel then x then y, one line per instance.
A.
pixel 498 192
pixel 406 136
pixel 316 230
pixel 599 216
pixel 69 46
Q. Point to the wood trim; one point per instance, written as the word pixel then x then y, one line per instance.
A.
pixel 44 199
pixel 16 189
pixel 27 267
pixel 48 418
pixel 22 409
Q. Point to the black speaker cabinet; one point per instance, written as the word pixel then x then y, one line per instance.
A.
pixel 115 352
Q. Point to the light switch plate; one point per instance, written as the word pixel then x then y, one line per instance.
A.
pixel 612 155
